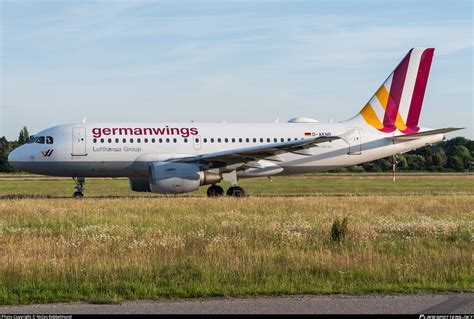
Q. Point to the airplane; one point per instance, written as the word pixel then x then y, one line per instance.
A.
pixel 174 158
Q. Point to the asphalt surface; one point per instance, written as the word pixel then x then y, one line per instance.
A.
pixel 462 303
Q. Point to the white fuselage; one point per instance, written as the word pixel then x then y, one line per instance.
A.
pixel 125 149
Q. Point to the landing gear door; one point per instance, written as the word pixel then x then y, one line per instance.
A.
pixel 354 140
pixel 79 141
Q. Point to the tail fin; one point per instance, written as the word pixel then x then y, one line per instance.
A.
pixel 397 103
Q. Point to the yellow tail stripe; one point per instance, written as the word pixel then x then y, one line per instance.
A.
pixel 382 96
pixel 370 116
pixel 399 123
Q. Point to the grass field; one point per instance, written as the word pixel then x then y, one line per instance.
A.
pixel 414 235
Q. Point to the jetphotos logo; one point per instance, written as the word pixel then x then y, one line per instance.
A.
pixel 47 153
pixel 98 132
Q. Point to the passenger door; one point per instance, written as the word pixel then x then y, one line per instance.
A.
pixel 354 140
pixel 79 141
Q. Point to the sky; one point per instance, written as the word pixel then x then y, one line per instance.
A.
pixel 225 60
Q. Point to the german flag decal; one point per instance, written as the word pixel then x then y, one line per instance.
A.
pixel 307 134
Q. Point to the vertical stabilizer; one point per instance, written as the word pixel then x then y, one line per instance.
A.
pixel 397 103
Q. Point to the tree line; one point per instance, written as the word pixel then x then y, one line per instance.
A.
pixel 454 155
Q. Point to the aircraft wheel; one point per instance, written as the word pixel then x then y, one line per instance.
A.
pixel 78 195
pixel 236 191
pixel 215 191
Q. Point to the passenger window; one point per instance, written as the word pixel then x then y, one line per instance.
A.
pixel 261 140
pixel 254 140
pixel 196 140
pixel 102 140
pixel 247 140
pixel 146 140
pixel 219 140
pixel 240 140
pixel 226 140
pixel 275 140
pixel 282 139
pixel 131 140
pixel 109 140
pixel 185 140
pixel 212 140
pixel 116 140
pixel 153 140
pixel 49 140
pixel 204 140
pixel 139 140
pixel 167 140
pixel 40 140
pixel 175 140
pixel 233 140
pixel 160 140
pixel 268 140
pixel 94 140
pixel 124 140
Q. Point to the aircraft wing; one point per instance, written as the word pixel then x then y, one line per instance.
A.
pixel 254 153
pixel 414 136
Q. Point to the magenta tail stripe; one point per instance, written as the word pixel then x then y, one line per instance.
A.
pixel 395 94
pixel 420 87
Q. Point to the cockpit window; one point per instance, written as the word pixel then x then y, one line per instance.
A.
pixel 32 140
pixel 40 140
pixel 49 140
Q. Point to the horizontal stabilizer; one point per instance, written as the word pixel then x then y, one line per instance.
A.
pixel 414 136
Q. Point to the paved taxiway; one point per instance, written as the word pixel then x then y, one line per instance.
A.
pixel 462 303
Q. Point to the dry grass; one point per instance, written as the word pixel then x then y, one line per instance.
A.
pixel 133 248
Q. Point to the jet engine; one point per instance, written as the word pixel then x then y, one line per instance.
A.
pixel 175 178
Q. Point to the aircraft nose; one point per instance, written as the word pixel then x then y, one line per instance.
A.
pixel 14 158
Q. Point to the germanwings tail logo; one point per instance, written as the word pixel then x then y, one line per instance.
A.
pixel 47 153
pixel 397 103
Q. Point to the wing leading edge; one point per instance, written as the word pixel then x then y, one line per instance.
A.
pixel 253 153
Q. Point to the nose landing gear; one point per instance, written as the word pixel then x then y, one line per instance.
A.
pixel 80 181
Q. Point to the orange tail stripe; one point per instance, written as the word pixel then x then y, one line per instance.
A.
pixel 370 116
pixel 399 124
pixel 382 96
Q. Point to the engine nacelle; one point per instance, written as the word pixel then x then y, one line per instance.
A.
pixel 139 184
pixel 175 178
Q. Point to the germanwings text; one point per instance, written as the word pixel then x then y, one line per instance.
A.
pixel 182 131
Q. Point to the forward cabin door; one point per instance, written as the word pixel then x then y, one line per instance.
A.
pixel 79 141
pixel 354 140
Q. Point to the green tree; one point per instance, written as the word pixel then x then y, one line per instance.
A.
pixel 459 157
pixel 24 136
pixel 4 151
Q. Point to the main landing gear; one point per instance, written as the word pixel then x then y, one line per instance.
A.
pixel 80 181
pixel 217 191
